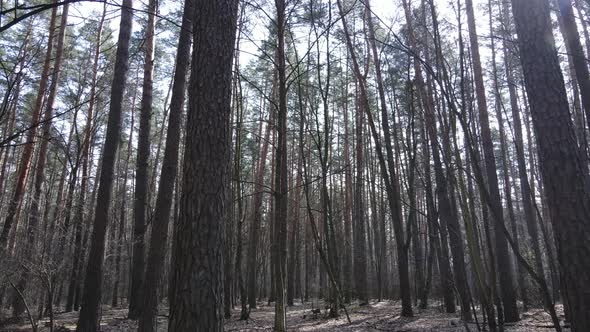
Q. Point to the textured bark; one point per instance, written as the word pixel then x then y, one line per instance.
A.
pixel 505 272
pixel 89 315
pixel 267 253
pixel 281 199
pixel 197 270
pixel 141 201
pixel 563 171
pixel 159 233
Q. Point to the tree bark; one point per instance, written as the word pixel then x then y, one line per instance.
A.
pixel 159 233
pixel 295 237
pixel 504 267
pixel 279 243
pixel 525 188
pixel 89 315
pixel 563 171
pixel 197 270
pixel 256 218
pixel 348 209
pixel 141 201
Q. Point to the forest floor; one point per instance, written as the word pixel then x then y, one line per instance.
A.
pixel 377 316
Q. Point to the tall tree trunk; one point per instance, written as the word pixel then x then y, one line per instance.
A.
pixel 525 188
pixel 381 91
pixel 279 242
pixel 503 158
pixel 358 215
pixel 159 233
pixel 358 218
pixel 433 229
pixel 256 218
pixel 295 237
pixel 270 221
pixel 197 271
pixel 504 267
pixel 118 242
pixel 563 171
pixel 323 145
pixel 141 201
pixel 348 207
pixel 89 315
pixel 123 197
pixel 239 100
pixel 77 237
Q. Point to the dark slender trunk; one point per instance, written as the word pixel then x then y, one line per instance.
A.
pixel 256 218
pixel 279 242
pixel 348 210
pixel 141 201
pixel 89 315
pixel 159 233
pixel 505 272
pixel 295 237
